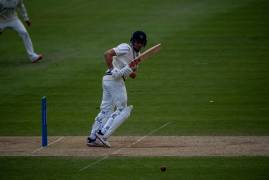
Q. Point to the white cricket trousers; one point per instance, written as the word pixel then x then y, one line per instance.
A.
pixel 17 25
pixel 114 96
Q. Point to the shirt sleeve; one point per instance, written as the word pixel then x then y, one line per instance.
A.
pixel 122 49
pixel 23 11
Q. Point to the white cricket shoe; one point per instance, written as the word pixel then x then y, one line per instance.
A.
pixel 103 140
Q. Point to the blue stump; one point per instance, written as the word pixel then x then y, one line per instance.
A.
pixel 44 121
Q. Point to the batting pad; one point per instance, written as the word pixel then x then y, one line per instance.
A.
pixel 118 120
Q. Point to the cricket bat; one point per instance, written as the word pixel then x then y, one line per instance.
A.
pixel 145 55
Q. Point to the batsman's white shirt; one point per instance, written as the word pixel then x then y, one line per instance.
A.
pixel 8 10
pixel 125 54
pixel 117 91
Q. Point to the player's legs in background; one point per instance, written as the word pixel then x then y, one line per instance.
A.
pixel 106 109
pixel 19 27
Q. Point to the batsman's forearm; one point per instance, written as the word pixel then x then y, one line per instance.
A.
pixel 109 63
pixel 109 59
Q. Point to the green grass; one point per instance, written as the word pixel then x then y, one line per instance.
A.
pixel 212 168
pixel 212 50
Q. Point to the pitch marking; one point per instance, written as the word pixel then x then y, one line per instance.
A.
pixel 118 150
pixel 57 140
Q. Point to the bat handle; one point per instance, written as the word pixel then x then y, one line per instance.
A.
pixel 134 62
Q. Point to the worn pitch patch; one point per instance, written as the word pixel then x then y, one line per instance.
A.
pixel 134 146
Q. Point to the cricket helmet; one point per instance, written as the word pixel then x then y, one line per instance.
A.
pixel 139 36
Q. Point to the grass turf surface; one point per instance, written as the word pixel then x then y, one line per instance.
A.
pixel 212 51
pixel 233 168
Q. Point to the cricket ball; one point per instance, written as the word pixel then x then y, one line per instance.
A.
pixel 163 168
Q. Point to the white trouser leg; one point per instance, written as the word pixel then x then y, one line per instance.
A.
pixel 99 122
pixel 106 110
pixel 118 120
pixel 119 97
pixel 19 27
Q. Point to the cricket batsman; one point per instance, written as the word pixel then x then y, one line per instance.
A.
pixel 114 110
pixel 9 19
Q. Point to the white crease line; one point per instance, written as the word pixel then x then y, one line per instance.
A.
pixel 118 150
pixel 152 132
pixel 53 142
pixel 57 140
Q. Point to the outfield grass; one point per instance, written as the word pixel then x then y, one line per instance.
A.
pixel 212 51
pixel 247 168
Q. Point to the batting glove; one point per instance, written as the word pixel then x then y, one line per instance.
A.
pixel 126 71
pixel 116 73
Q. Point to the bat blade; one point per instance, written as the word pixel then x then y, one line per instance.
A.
pixel 149 52
pixel 146 54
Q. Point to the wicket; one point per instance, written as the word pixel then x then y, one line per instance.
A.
pixel 44 121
